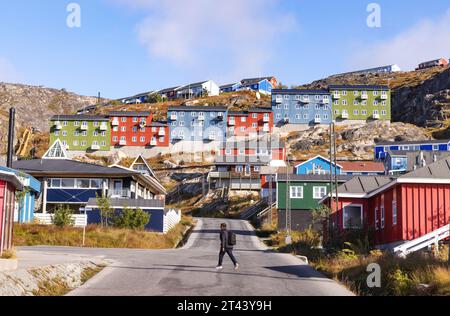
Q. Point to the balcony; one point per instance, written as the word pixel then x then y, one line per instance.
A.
pixel 364 96
pixel 286 119
pixel 119 194
pixel 212 137
pixel 103 127
pixel 279 100
pixel 173 117
pixel 376 116
pixel 325 101
pixel 142 124
pixel 201 118
pixel 220 116
pixel 122 142
pixel 344 115
pixel 58 126
pixel 153 142
pixel 115 122
pixel 317 120
pixel 95 147
pixel 231 122
pixel 266 128
pixel 162 132
pixel 336 96
pixel 384 97
pixel 266 119
pixel 84 127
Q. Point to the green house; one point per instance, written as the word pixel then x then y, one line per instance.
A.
pixel 361 102
pixel 303 195
pixel 81 132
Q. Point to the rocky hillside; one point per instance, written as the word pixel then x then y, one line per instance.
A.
pixel 34 106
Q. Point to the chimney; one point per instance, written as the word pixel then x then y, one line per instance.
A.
pixel 12 117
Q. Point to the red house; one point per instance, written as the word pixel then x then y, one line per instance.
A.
pixel 137 129
pixel 9 184
pixel 396 209
pixel 250 123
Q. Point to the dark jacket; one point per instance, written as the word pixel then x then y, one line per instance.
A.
pixel 224 240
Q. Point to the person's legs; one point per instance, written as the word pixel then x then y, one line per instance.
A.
pixel 221 255
pixel 230 253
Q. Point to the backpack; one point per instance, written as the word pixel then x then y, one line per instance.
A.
pixel 231 238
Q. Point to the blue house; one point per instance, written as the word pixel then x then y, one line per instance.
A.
pixel 261 85
pixel 25 206
pixel 316 165
pixel 382 148
pixel 197 123
pixel 306 107
pixel 229 87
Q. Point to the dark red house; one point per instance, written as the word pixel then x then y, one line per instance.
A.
pixel 396 209
pixel 253 122
pixel 9 184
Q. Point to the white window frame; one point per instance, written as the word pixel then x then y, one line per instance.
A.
pixel 317 192
pixel 394 213
pixel 296 192
pixel 344 222
pixel 377 219
pixel 383 216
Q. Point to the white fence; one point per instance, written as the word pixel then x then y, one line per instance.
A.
pixel 46 219
pixel 171 219
pixel 423 242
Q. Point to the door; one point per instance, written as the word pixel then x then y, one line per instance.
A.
pixel 248 170
pixel 118 188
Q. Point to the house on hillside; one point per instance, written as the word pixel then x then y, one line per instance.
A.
pixel 303 107
pixel 251 123
pixel 9 185
pixel 197 123
pixel 401 161
pixel 261 85
pixel 375 70
pixel 198 89
pixel 229 87
pixel 441 62
pixel 382 148
pixel 271 79
pixel 396 209
pixel 168 94
pixel 301 193
pixel 25 204
pixel 72 183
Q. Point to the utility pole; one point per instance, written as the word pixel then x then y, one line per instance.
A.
pixel 335 169
pixel 12 121
pixel 288 209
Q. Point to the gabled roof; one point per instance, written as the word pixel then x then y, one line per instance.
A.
pixel 56 151
pixel 437 170
pixel 11 177
pixel 130 113
pixel 230 85
pixel 168 90
pixel 141 159
pixel 79 118
pixel 362 166
pixel 193 84
pixel 314 158
pixel 363 185
pixel 250 82
pixel 27 181
pixel 258 79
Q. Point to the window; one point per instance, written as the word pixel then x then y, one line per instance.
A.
pixel 135 119
pixel 256 168
pixel 134 139
pixel 355 112
pixel 325 116
pixel 96 183
pixel 336 102
pixel 356 102
pixel 103 143
pixel 95 124
pixel 241 151
pixel 84 133
pixel 115 129
pixel 344 93
pixel 115 139
pixel 364 102
pixel 103 133
pixel 375 103
pixel 336 112
pixel 124 119
pixel 64 133
pixel 375 112
pixel 84 143
pixel 319 192
pixel 243 119
pixel 383 112
pixel 355 93
pixel 67 183
pixel 375 93
pixel 65 123
pixel 383 103
pixel 255 115
pixel 286 106
pixel 228 152
pixel 297 116
pixel 239 168
pixel 134 129
pixel 76 123
pixel 344 102
pixel 55 183
pixel 75 143
pixel 142 139
pixel 57 133
pixel 305 116
pixel 279 106
pixel 377 220
pixel 317 97
pixel 286 97
pixel 154 129
pixel 435 147
pixel 382 217
pixel 83 183
pixel 353 217
pixel 181 123
pixel 317 107
pixel 394 212
pixel 278 116
pixel 296 192
pixel 124 128
pixel 95 133
pixel 255 125
pixel 364 112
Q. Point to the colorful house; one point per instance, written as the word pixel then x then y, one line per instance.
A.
pixel 261 85
pixel 301 194
pixel 361 102
pixel 197 123
pixel 229 87
pixel 400 161
pixel 251 123
pixel 382 148
pixel 305 107
pixel 25 206
pixel 73 183
pixel 81 132
pixel 9 184
pixel 272 80
pixel 198 89
pixel 395 209
pixel 132 129
pixel 169 94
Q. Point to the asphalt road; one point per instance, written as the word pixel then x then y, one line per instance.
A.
pixel 190 271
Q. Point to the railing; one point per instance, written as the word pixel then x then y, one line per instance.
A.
pixel 103 127
pixel 80 220
pixel 84 127
pixel 58 126
pixel 254 209
pixel 384 97
pixel 119 193
pixel 171 219
pixel 423 242
pixel 115 122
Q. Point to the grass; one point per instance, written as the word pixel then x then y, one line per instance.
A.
pixel 97 237
pixel 9 254
pixel 418 274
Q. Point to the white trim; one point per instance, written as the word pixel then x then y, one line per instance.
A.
pixel 318 156
pixel 362 214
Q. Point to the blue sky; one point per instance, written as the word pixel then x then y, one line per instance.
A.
pixel 126 47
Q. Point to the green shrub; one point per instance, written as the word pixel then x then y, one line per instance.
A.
pixel 63 216
pixel 132 219
pixel 400 283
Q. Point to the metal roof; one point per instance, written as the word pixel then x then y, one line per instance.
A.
pixel 414 142
pixel 437 170
pixel 358 87
pixel 168 90
pixel 130 113
pixel 198 108
pixel 68 168
pixel 363 185
pixel 299 91
pixel 281 177
pixel 130 203
pixel 79 118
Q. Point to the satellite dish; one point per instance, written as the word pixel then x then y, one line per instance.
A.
pixel 258 95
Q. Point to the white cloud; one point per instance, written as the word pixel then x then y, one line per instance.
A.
pixel 203 33
pixel 8 72
pixel 424 41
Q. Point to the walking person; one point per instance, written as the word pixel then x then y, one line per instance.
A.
pixel 227 243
